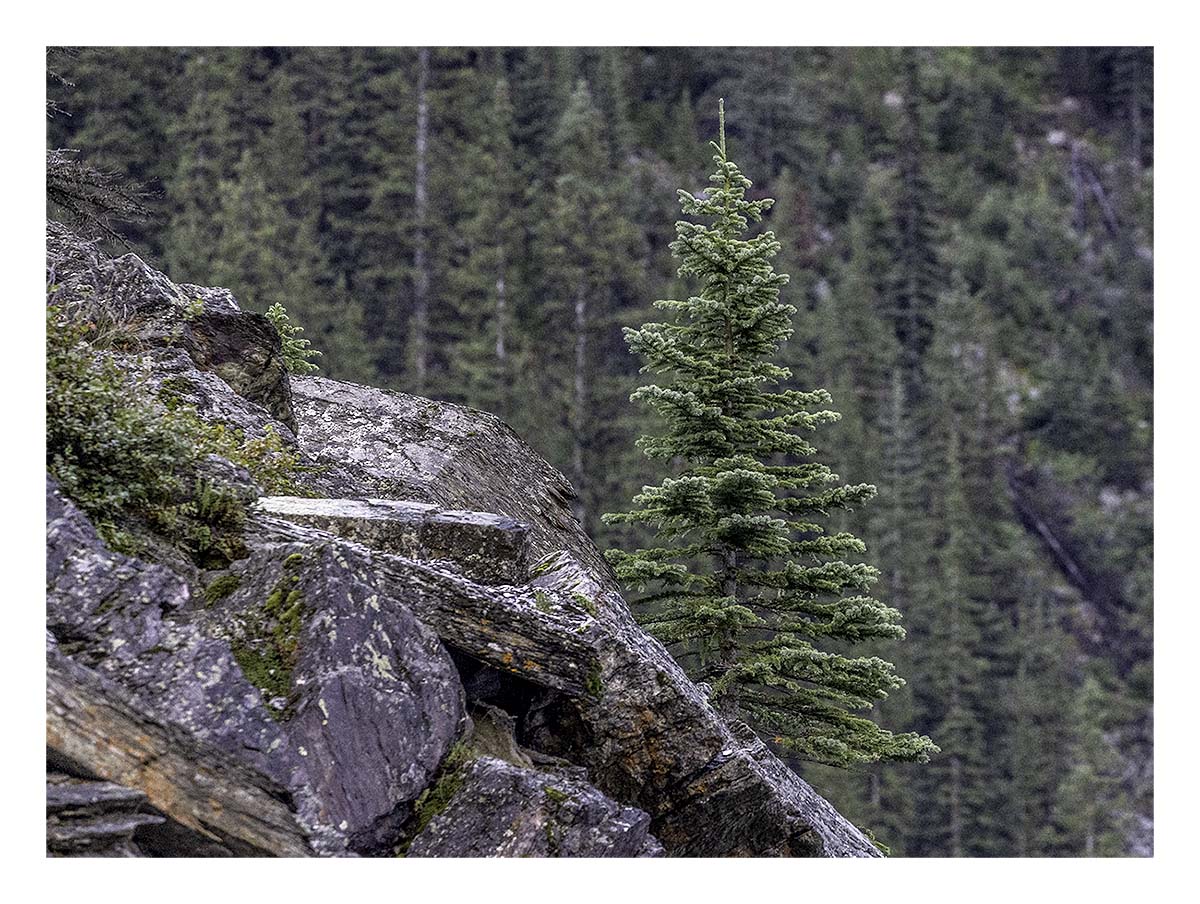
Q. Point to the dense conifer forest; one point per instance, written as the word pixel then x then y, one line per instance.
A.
pixel 968 235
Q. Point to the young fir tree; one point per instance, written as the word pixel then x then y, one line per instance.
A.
pixel 747 581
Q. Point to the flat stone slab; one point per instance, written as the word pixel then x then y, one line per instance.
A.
pixel 487 548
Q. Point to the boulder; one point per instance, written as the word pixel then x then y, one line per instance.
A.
pixel 390 445
pixel 496 809
pixel 301 671
pixel 146 313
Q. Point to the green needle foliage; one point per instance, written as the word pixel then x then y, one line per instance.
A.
pixel 747 581
pixel 296 350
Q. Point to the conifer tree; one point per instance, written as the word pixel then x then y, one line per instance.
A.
pixel 747 582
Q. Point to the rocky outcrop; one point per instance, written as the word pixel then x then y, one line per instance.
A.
pixel 646 733
pixel 347 686
pixel 225 362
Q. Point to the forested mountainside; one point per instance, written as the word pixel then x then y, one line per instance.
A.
pixel 969 237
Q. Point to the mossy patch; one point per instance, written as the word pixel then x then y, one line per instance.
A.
pixel 543 566
pixel 595 682
pixel 557 795
pixel 436 798
pixel 267 652
pixel 173 390
pixel 541 599
pixel 221 587
pixel 587 603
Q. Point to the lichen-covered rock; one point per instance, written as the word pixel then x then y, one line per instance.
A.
pixel 489 549
pixel 148 313
pixel 502 810
pixel 303 671
pixel 367 701
pixel 391 445
pixel 646 733
pixel 211 803
pixel 545 636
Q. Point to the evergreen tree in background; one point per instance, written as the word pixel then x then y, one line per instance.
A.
pixel 749 583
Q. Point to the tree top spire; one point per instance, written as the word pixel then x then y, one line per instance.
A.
pixel 721 118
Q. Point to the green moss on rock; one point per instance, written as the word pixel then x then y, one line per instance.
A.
pixel 436 798
pixel 267 651
pixel 221 587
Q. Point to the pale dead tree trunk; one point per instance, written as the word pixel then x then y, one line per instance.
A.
pixel 956 829
pixel 503 378
pixel 420 318
pixel 1135 125
pixel 579 408
pixel 956 777
pixel 501 315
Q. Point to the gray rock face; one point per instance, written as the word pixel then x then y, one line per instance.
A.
pixel 502 810
pixel 489 549
pixel 211 804
pixel 546 637
pixel 371 703
pixel 395 446
pixel 93 819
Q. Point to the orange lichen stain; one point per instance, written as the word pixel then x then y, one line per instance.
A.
pixel 530 666
pixel 507 658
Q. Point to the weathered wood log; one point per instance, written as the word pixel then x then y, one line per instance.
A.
pixel 91 725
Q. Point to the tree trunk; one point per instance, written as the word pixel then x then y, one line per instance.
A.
pixel 503 379
pixel 579 409
pixel 420 318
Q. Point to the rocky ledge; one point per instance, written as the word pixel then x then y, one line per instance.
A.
pixel 427 657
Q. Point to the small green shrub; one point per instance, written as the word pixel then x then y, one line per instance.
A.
pixel 132 462
pixel 296 351
pixel 107 443
pixel 271 464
